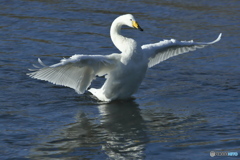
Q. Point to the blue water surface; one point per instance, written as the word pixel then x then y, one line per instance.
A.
pixel 186 106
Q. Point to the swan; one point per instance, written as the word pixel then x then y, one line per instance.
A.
pixel 124 72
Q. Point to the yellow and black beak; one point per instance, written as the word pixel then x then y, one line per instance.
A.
pixel 136 25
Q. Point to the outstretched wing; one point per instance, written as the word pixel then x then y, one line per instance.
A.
pixel 76 72
pixel 163 50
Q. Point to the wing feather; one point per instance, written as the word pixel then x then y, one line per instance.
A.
pixel 163 50
pixel 77 72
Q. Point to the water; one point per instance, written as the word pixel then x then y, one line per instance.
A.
pixel 186 106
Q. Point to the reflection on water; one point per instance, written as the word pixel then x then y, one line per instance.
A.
pixel 120 131
pixel 125 130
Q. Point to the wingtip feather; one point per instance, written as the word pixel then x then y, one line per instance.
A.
pixel 218 39
pixel 40 62
pixel 220 36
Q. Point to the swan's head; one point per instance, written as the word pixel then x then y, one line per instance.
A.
pixel 130 21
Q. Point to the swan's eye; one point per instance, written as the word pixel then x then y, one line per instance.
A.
pixel 130 19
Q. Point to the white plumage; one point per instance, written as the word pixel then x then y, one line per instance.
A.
pixel 124 72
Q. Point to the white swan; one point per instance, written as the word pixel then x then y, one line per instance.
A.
pixel 123 72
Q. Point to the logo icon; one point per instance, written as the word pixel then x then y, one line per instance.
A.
pixel 212 154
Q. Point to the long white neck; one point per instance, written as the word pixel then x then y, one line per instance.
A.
pixel 124 44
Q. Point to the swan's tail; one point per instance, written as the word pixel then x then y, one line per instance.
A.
pixel 98 93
